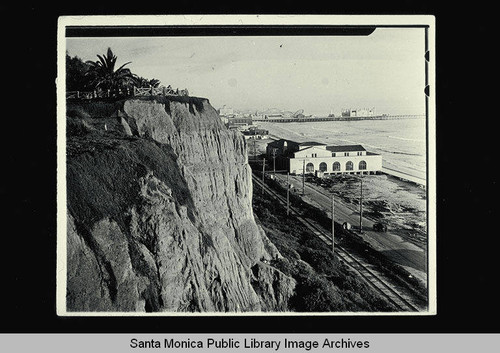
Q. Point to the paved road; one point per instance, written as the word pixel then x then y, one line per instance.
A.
pixel 406 254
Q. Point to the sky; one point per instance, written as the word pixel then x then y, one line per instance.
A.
pixel 319 74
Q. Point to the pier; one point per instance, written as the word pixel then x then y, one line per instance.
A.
pixel 339 118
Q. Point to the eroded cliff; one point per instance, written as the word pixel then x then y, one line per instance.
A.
pixel 160 212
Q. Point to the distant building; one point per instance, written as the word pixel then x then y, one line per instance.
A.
pixel 255 133
pixel 358 113
pixel 239 122
pixel 226 111
pixel 257 116
pixel 273 116
pixel 318 158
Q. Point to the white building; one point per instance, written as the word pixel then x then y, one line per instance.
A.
pixel 314 158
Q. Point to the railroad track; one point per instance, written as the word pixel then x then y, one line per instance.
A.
pixel 372 276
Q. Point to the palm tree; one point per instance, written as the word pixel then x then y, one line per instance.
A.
pixel 104 76
pixel 144 82
pixel 154 82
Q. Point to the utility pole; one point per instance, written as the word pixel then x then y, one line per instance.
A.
pixel 263 172
pixel 333 225
pixel 361 207
pixel 274 162
pixel 287 194
pixel 304 177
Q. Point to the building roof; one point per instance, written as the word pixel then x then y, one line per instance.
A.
pixel 345 148
pixel 305 149
pixel 341 148
pixel 290 142
pixel 255 132
pixel 280 142
pixel 311 143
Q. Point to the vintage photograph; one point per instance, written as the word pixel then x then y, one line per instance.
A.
pixel 246 165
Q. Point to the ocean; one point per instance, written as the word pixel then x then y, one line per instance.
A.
pixel 402 143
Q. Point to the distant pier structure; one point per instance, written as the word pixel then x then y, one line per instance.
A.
pixel 358 113
pixel 341 118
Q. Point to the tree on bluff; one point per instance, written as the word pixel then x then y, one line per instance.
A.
pixel 75 74
pixel 144 82
pixel 103 75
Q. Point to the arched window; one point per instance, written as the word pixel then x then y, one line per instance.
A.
pixel 362 165
pixel 336 167
pixel 349 166
pixel 310 168
pixel 322 166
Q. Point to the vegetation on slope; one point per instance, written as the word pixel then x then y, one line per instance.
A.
pixel 101 167
pixel 324 284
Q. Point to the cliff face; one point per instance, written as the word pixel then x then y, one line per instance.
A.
pixel 160 212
